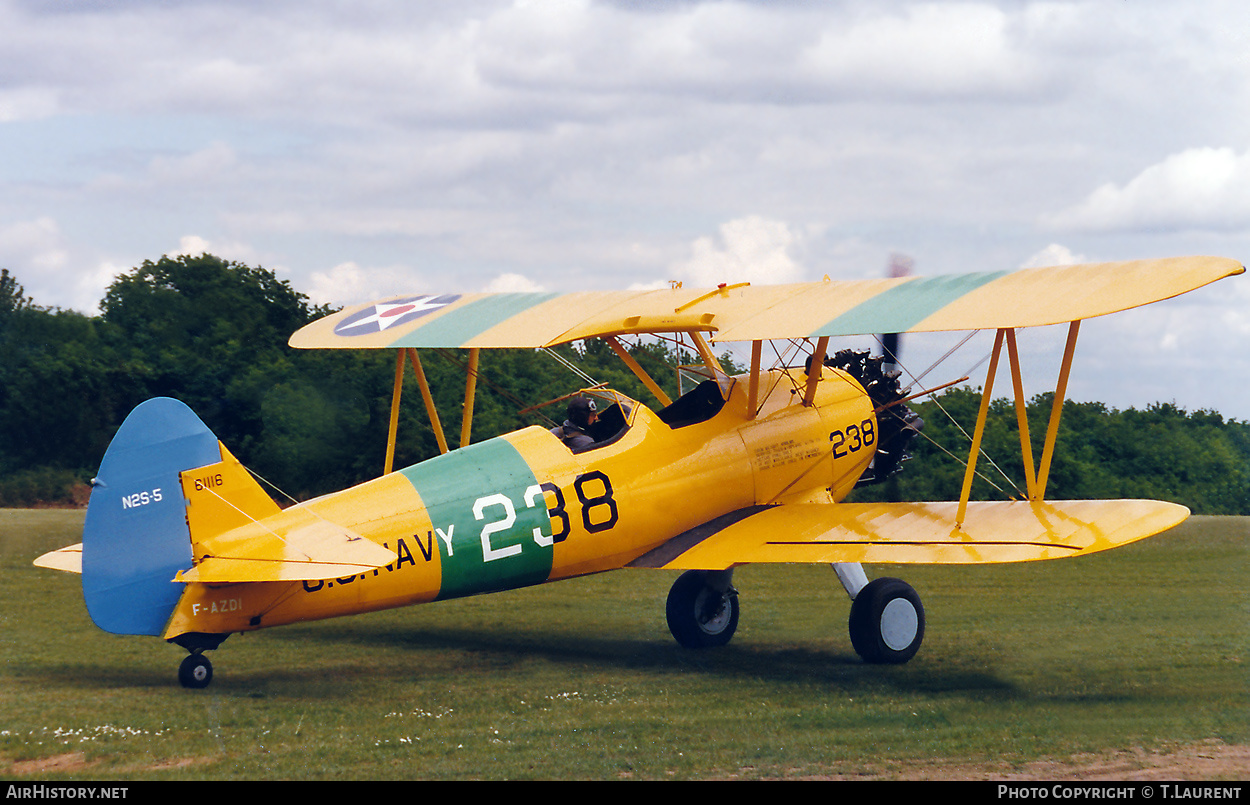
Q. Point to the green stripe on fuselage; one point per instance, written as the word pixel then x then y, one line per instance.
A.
pixel 484 520
pixel 905 305
pixel 460 326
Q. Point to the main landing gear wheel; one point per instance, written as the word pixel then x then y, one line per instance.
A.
pixel 887 622
pixel 195 672
pixel 702 614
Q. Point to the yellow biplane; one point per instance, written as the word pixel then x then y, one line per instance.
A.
pixel 181 542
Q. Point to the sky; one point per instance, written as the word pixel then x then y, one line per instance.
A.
pixel 373 148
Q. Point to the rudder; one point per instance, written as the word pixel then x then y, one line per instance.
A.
pixel 136 537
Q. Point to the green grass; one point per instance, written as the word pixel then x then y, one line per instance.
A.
pixel 1141 647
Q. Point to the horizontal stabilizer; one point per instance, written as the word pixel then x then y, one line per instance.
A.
pixel 295 546
pixel 917 533
pixel 68 559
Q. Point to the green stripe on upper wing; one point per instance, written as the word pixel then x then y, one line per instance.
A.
pixel 902 307
pixel 460 326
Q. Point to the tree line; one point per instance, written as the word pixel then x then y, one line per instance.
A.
pixel 213 333
pixel 1198 459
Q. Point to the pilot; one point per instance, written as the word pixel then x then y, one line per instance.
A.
pixel 581 415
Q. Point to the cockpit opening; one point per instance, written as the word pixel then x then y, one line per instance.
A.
pixel 698 405
pixel 596 418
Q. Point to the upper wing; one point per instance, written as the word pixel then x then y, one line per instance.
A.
pixel 915 533
pixel 1026 298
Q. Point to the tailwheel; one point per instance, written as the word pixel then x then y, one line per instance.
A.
pixel 196 671
pixel 887 622
pixel 702 609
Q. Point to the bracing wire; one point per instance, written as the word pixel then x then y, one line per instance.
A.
pixel 989 459
pixel 567 364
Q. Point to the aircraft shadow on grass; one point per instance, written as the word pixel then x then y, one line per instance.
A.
pixel 841 669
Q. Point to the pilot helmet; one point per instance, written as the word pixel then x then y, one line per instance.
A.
pixel 580 411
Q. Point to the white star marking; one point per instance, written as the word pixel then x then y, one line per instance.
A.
pixel 388 314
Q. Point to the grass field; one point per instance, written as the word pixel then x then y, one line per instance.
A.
pixel 1143 648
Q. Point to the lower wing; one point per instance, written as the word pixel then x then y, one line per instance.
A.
pixel 914 533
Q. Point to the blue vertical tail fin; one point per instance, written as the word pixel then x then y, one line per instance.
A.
pixel 136 537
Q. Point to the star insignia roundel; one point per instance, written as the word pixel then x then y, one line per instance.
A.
pixel 392 313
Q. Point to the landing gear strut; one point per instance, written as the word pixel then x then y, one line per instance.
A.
pixel 702 608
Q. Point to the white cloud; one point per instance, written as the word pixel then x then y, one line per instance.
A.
pixel 1054 255
pixel 36 254
pixel 34 245
pixel 653 285
pixel 512 283
pixel 735 51
pixel 1199 188
pixel 588 143
pixel 350 283
pixel 751 249
pixel 955 49
pixel 26 103
pixel 1235 318
pixel 514 62
pixel 341 285
pixel 204 165
pixel 90 285
pixel 192 245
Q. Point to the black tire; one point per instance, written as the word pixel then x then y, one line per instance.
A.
pixel 195 672
pixel 887 622
pixel 700 616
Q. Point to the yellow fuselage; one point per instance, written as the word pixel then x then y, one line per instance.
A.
pixel 522 509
